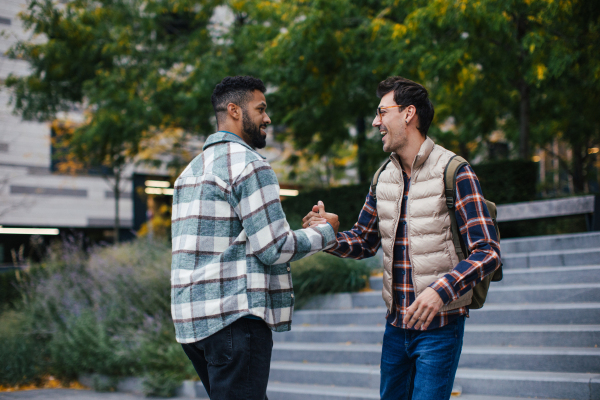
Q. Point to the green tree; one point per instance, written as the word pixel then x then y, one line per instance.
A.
pixel 132 67
pixel 324 62
pixel 571 89
pixel 496 64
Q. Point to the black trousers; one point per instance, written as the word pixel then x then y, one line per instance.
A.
pixel 234 363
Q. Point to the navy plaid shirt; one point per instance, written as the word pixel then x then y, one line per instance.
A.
pixel 476 228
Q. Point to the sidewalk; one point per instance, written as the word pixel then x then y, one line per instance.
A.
pixel 67 394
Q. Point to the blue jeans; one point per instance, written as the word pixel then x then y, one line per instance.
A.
pixel 234 363
pixel 420 365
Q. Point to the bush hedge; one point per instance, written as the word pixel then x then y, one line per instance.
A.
pixel 105 313
pixel 9 294
pixel 507 181
pixel 323 273
pixel 345 201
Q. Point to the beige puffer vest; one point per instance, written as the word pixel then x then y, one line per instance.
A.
pixel 429 230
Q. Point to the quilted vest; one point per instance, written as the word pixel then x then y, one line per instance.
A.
pixel 428 225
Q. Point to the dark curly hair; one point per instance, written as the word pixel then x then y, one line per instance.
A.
pixel 407 92
pixel 234 89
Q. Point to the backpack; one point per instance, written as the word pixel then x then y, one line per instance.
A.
pixel 480 290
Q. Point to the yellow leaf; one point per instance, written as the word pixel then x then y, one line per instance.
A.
pixel 541 71
pixel 399 30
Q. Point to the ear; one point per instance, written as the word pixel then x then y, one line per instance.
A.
pixel 234 111
pixel 411 112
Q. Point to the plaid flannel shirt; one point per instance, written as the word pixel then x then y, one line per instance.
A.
pixel 231 242
pixel 476 228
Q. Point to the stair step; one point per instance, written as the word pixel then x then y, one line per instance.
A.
pixel 557 359
pixel 476 335
pixel 546 313
pixel 563 293
pixel 288 391
pixel 483 397
pixel 331 353
pixel 550 359
pixel 559 385
pixel 364 376
pixel 551 242
pixel 478 384
pixel 533 276
pixel 551 258
pixel 553 293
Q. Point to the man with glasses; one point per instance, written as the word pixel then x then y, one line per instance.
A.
pixel 426 289
pixel 231 283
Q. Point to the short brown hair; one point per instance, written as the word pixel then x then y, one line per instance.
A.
pixel 407 92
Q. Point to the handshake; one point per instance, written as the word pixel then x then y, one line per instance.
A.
pixel 318 216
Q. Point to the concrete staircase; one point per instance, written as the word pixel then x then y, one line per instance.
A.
pixel 537 336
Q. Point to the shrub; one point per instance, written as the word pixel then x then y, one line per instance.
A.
pixel 325 274
pixel 106 312
pixel 9 293
pixel 508 181
pixel 345 201
pixel 23 354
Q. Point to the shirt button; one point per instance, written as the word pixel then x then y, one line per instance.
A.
pixel 402 296
pixel 292 295
pixel 403 222
pixel 403 247
pixel 289 269
pixel 403 272
pixel 405 197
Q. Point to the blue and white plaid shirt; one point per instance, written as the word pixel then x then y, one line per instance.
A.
pixel 231 242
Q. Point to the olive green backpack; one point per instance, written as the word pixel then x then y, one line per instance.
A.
pixel 480 290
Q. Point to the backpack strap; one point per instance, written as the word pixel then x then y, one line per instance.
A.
pixel 376 178
pixel 450 190
pixel 374 187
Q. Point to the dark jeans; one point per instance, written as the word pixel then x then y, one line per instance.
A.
pixel 234 363
pixel 420 365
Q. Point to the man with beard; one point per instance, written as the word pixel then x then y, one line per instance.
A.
pixel 426 288
pixel 231 283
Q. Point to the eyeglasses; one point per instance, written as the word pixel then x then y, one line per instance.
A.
pixel 383 108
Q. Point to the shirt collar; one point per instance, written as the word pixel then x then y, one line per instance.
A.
pixel 224 137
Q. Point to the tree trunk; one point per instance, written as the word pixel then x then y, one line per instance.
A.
pixel 578 168
pixel 117 193
pixel 522 29
pixel 524 120
pixel 361 137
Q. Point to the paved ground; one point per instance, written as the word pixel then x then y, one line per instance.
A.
pixel 67 394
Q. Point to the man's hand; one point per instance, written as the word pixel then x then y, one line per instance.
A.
pixel 319 216
pixel 423 310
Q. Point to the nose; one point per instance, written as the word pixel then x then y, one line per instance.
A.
pixel 266 119
pixel 376 121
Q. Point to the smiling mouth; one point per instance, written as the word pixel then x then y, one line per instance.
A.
pixel 263 129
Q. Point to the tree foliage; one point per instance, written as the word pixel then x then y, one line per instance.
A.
pixel 138 68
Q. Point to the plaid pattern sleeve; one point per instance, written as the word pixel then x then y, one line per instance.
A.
pixel 256 200
pixel 362 241
pixel 231 242
pixel 477 229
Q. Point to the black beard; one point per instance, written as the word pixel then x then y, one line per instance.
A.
pixel 257 141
